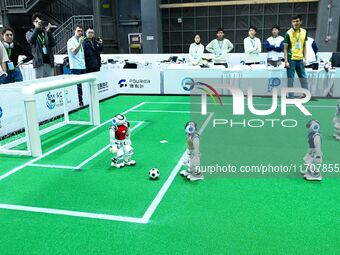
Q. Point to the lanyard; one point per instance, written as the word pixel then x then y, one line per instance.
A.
pixel 275 40
pixel 220 45
pixel 9 52
pixel 197 48
pixel 42 39
pixel 253 42
pixel 294 35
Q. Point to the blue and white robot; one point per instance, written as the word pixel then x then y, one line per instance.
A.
pixel 314 155
pixel 336 122
pixel 120 142
pixel 193 155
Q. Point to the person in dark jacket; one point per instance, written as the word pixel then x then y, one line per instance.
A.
pixel 14 50
pixel 42 42
pixel 92 48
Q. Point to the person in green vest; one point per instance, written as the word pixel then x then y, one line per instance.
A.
pixel 295 53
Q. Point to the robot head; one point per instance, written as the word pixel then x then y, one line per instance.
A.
pixel 313 126
pixel 190 127
pixel 118 120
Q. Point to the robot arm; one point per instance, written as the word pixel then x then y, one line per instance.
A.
pixel 113 141
pixel 128 134
pixel 318 153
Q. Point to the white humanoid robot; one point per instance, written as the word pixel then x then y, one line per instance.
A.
pixel 120 142
pixel 314 154
pixel 336 121
pixel 192 157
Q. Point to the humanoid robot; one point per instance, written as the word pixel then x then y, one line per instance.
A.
pixel 120 142
pixel 192 157
pixel 314 154
pixel 336 121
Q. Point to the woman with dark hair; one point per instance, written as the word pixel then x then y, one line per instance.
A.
pixel 196 51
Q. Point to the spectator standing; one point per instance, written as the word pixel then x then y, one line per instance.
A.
pixel 252 47
pixel 220 47
pixel 196 51
pixel 76 56
pixel 295 53
pixel 92 48
pixel 275 46
pixel 14 50
pixel 42 42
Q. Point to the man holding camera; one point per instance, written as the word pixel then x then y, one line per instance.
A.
pixel 42 42
pixel 92 48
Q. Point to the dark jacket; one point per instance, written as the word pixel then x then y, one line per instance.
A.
pixel 92 51
pixel 17 51
pixel 37 47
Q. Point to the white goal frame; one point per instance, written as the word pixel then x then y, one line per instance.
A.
pixel 32 132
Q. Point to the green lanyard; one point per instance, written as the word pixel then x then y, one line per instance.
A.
pixel 42 39
pixel 9 52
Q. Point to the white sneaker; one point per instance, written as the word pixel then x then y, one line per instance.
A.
pixel 184 173
pixel 193 178
pixel 130 163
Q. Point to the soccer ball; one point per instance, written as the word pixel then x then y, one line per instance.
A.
pixel 154 173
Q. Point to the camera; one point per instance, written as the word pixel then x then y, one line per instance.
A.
pixel 44 23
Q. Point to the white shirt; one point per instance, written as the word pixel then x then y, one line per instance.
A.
pixel 196 53
pixel 252 48
pixel 3 57
pixel 276 42
pixel 311 56
pixel 220 49
pixel 76 61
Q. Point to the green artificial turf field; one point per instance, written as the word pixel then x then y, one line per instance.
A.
pixel 46 207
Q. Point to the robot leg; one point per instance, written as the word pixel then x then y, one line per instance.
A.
pixel 128 152
pixel 118 159
pixel 195 169
pixel 186 163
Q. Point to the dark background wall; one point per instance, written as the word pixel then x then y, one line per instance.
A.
pixel 173 29
pixel 177 36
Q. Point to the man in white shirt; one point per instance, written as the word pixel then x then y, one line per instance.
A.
pixel 252 47
pixel 275 46
pixel 76 57
pixel 220 47
pixel 196 51
pixel 3 60
pixel 312 54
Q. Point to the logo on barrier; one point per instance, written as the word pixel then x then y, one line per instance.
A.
pixel 122 83
pixel 50 100
pixel 273 83
pixel 134 83
pixel 55 99
pixel 188 84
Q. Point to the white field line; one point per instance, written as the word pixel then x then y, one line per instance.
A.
pixel 52 166
pixel 102 150
pixel 147 215
pixel 72 213
pixel 62 145
pixel 153 206
pixel 194 103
